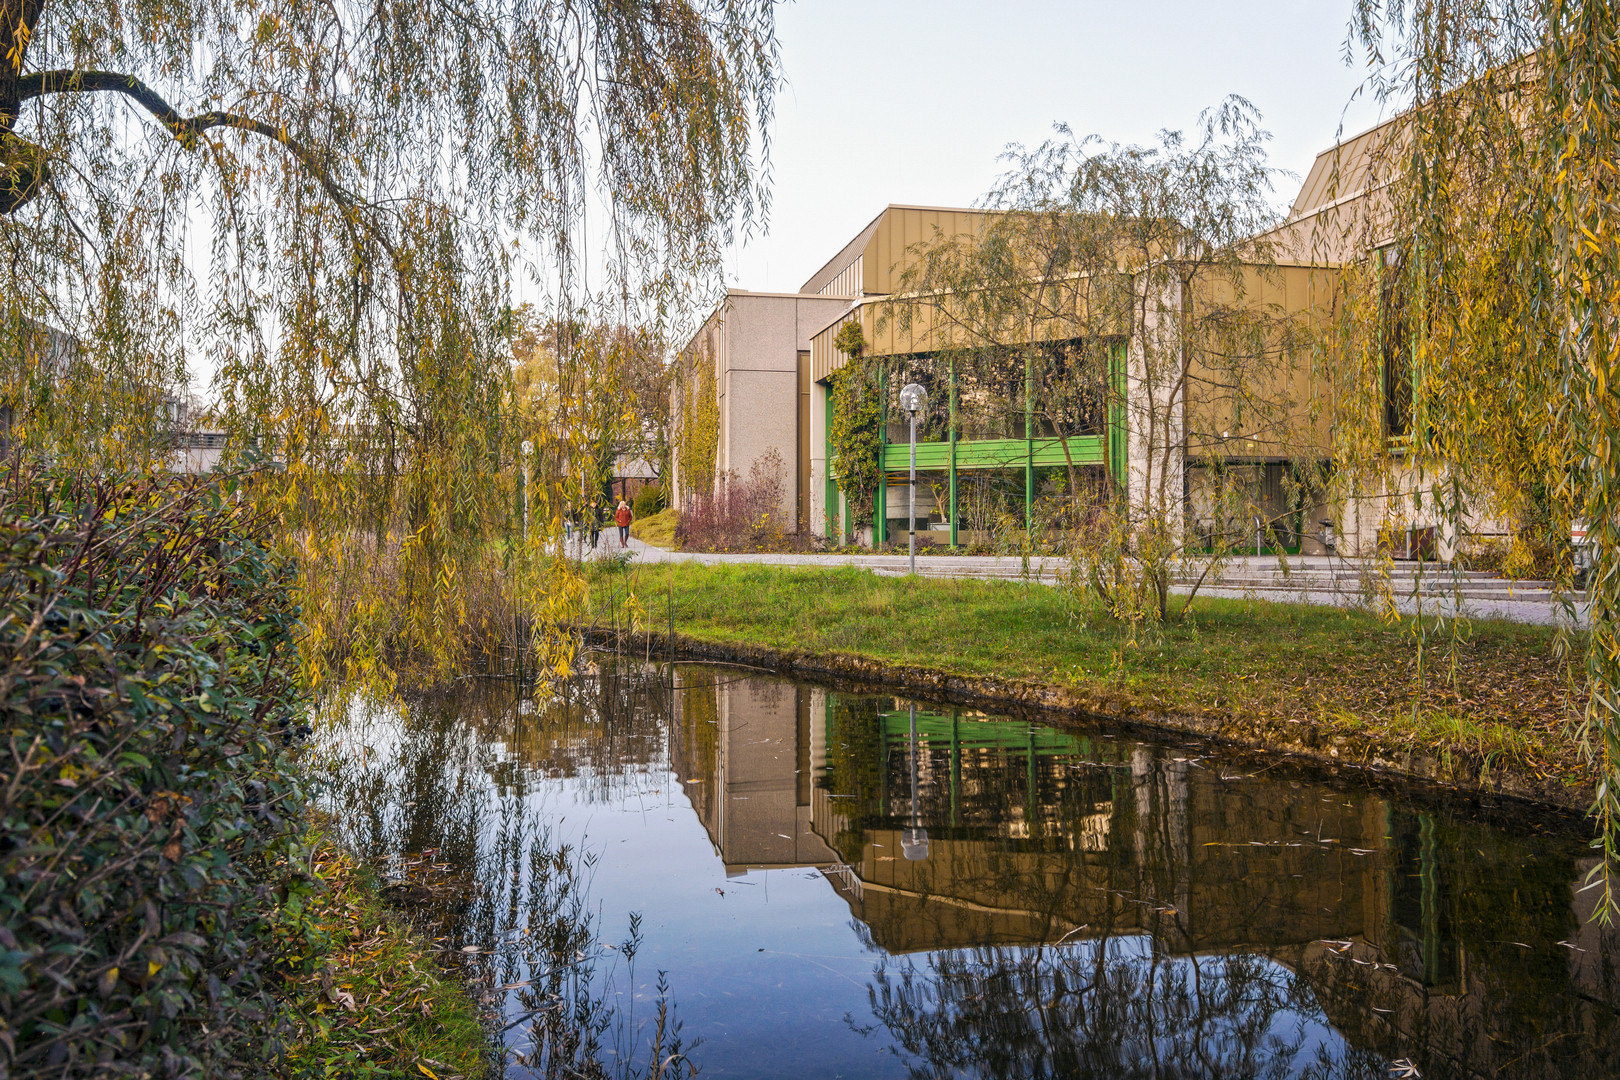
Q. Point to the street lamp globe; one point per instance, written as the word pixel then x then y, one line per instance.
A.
pixel 913 398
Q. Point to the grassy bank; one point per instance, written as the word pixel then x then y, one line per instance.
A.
pixel 657 529
pixel 367 1000
pixel 1283 674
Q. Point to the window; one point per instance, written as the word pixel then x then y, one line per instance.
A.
pixel 1395 347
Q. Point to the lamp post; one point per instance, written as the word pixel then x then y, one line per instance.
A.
pixel 913 398
pixel 528 449
pixel 914 839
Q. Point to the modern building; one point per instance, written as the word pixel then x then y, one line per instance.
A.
pixel 744 395
pixel 987 448
pixel 990 448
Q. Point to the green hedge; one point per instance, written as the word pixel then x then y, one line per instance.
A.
pixel 147 796
pixel 648 501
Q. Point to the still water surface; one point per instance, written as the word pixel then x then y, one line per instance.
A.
pixel 824 885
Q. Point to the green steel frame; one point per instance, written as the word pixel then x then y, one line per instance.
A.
pixel 997 453
pixel 955 454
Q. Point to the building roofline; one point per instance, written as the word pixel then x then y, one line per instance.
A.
pixel 826 273
pixel 779 295
pixel 733 293
pixel 835 265
pixel 1348 139
pixel 852 303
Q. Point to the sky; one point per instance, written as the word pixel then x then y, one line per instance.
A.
pixel 904 101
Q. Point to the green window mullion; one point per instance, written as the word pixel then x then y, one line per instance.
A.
pixel 1029 444
pixel 1118 447
pixel 953 435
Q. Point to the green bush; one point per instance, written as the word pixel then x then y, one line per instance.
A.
pixel 648 501
pixel 146 682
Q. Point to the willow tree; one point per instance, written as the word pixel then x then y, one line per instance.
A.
pixel 586 391
pixel 1130 286
pixel 329 206
pixel 1497 294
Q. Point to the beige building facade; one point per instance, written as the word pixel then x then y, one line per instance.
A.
pixel 752 355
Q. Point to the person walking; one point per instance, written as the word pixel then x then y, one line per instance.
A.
pixel 596 525
pixel 622 517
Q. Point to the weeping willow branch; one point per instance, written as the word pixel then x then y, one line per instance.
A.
pixel 185 129
pixel 345 266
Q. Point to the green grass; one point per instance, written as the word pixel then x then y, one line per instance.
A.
pixel 1499 691
pixel 368 999
pixel 657 529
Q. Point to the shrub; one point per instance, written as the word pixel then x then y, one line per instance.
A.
pixel 147 633
pixel 657 530
pixel 648 501
pixel 740 515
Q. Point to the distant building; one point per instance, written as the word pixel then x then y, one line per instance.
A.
pixel 631 475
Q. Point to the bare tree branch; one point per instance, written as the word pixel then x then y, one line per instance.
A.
pixel 186 129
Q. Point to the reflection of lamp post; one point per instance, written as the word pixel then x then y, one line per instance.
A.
pixel 914 838
pixel 528 449
pixel 913 398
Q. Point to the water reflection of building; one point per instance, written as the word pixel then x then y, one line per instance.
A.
pixel 747 769
pixel 1410 929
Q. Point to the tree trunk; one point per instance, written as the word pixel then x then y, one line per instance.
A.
pixel 22 163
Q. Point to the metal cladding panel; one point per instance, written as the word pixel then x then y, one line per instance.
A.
pixel 997 453
pixel 848 281
pixel 1349 169
pixel 832 276
pixel 1284 410
pixel 903 226
pixel 824 355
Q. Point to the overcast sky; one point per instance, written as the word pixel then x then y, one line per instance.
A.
pixel 904 101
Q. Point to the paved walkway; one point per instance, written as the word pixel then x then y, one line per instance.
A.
pixel 1312 579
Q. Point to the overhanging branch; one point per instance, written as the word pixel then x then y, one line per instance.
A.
pixel 184 128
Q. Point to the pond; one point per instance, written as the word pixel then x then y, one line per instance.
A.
pixel 768 878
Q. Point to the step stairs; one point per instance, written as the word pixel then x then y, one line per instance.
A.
pixel 1403 581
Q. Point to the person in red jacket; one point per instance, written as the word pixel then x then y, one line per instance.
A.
pixel 623 517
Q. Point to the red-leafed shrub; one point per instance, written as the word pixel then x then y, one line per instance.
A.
pixel 739 515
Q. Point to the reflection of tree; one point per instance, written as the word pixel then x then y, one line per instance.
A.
pixel 449 778
pixel 1109 1008
pixel 569 1023
pixel 1476 969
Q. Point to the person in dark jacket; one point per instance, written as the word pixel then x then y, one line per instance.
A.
pixel 596 524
